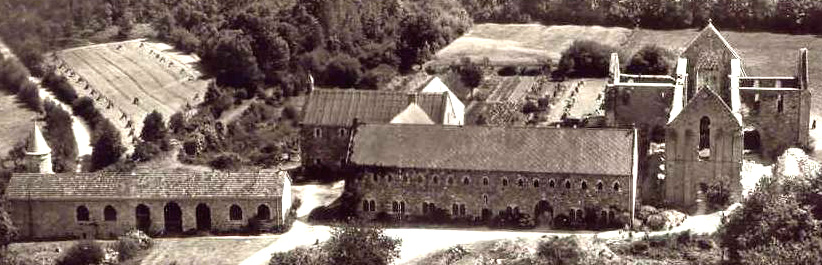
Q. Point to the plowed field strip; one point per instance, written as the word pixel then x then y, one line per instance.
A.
pixel 167 77
pixel 152 99
pixel 101 82
pixel 141 73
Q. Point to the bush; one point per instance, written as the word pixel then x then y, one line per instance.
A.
pixel 154 128
pixel 60 86
pixel 343 71
pixel 226 161
pixel 560 251
pixel 86 252
pixel 650 60
pixel 507 71
pixel 656 222
pixel 470 73
pixel 29 94
pixel 586 59
pixel 84 107
pixel 108 147
pixel 131 244
pixel 377 77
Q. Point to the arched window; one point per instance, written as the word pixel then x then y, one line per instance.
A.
pixel 372 206
pixel 572 215
pixel 435 179
pixel 375 177
pixel 395 206
pixel 235 213
pixel 504 182
pixel 432 207
pixel 424 207
pixel 462 209
pixel 485 181
pixel 599 185
pixel 580 216
pixel 520 182
pixel 343 131
pixel 318 132
pixel 704 137
pixel 536 183
pixel 603 218
pixel 567 184
pixel 109 213
pixel 616 186
pixel 450 180
pixel 466 181
pixel 263 212
pixel 584 185
pixel 364 205
pixel 551 184
pixel 455 209
pixel 780 104
pixel 82 213
pixel 390 177
pixel 485 198
pixel 402 207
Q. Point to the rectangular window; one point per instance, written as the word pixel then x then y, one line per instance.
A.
pixel 780 104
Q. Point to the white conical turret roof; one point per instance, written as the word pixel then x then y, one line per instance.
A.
pixel 412 114
pixel 37 143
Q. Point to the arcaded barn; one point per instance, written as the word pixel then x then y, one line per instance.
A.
pixel 708 114
pixel 476 172
pixel 105 205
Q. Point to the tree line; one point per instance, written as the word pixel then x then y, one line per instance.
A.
pixel 793 16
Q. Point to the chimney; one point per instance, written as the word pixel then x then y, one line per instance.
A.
pixel 412 98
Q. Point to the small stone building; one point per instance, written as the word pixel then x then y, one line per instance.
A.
pixel 330 114
pixel 105 205
pixel 475 172
pixel 708 113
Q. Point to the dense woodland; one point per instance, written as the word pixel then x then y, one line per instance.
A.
pixel 793 16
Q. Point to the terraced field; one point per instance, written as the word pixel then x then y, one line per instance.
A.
pixel 129 80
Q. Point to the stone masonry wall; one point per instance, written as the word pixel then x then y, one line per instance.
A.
pixel 777 130
pixel 58 219
pixel 415 187
pixel 685 170
pixel 329 149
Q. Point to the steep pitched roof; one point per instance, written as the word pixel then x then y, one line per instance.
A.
pixel 507 149
pixel 145 186
pixel 37 143
pixel 706 95
pixel 437 86
pixel 341 107
pixel 412 114
pixel 710 29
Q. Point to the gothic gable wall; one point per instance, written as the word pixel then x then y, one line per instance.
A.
pixel 685 169
pixel 709 64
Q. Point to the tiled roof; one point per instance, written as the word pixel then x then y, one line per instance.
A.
pixel 412 114
pixel 511 149
pixel 145 186
pixel 341 107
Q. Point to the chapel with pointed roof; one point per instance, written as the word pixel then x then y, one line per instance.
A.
pixel 708 114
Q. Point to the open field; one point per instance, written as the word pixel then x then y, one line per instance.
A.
pixel 15 123
pixel 131 79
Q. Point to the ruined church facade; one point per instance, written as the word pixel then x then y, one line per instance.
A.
pixel 708 114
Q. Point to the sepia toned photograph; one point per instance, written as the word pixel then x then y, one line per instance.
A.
pixel 410 132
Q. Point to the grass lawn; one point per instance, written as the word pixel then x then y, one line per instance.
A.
pixel 206 250
pixel 15 123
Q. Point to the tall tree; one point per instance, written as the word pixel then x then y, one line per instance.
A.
pixel 154 127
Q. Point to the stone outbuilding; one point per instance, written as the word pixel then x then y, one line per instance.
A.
pixel 330 115
pixel 105 205
pixel 474 173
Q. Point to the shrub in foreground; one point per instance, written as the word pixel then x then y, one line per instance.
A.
pixel 86 252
